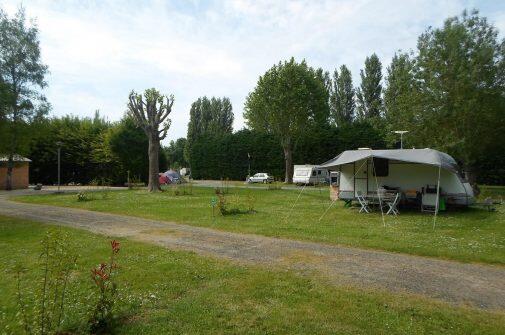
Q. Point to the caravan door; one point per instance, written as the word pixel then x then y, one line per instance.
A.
pixel 361 178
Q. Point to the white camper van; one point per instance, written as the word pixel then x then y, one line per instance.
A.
pixel 310 174
pixel 414 172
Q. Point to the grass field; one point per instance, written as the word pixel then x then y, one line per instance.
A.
pixel 472 235
pixel 169 292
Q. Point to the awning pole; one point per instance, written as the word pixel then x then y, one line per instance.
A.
pixel 378 193
pixel 438 197
pixel 296 201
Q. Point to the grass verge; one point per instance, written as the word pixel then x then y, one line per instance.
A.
pixel 174 292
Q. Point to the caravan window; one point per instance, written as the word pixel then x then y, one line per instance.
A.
pixel 318 172
pixel 302 172
pixel 313 172
pixel 381 167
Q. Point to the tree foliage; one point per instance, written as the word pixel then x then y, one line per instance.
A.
pixel 287 100
pixel 212 116
pixel 128 145
pixel 175 154
pixel 401 97
pixel 451 95
pixel 92 149
pixel 369 93
pixel 342 101
pixel 22 74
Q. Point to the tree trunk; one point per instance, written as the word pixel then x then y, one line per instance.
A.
pixel 10 167
pixel 472 178
pixel 154 165
pixel 288 159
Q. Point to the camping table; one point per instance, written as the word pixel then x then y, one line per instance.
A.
pixel 375 199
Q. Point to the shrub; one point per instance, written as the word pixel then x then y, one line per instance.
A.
pixel 103 276
pixel 46 310
pixel 179 189
pixel 234 204
pixel 84 196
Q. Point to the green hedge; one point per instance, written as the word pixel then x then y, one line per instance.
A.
pixel 226 156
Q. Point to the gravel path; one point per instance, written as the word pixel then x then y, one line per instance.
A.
pixel 477 285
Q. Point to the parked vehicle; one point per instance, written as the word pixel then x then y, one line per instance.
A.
pixel 310 174
pixel 260 178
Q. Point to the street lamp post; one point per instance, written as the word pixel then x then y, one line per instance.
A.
pixel 59 144
pixel 401 132
pixel 249 165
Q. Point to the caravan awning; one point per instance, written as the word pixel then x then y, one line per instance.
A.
pixel 421 156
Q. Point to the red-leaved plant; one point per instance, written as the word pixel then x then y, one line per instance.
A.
pixel 103 277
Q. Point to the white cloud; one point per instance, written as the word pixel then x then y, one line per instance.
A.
pixel 99 51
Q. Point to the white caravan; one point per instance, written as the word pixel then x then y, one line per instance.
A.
pixel 310 174
pixel 414 172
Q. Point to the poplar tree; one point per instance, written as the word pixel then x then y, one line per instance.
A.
pixel 342 100
pixel 370 90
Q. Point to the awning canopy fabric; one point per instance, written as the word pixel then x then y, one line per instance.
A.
pixel 421 156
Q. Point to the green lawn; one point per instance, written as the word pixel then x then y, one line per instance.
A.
pixel 178 292
pixel 472 235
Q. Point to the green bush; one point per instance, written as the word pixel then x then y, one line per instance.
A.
pixel 84 196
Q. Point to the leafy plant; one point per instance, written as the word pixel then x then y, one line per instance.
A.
pixel 250 202
pixel 103 277
pixel 84 196
pixel 234 204
pixel 221 202
pixel 179 189
pixel 42 306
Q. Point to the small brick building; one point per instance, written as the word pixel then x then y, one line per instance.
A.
pixel 19 173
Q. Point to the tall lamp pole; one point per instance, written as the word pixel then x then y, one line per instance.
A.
pixel 249 165
pixel 401 132
pixel 59 144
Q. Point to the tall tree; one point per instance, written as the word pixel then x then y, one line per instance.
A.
pixel 401 94
pixel 322 116
pixel 460 71
pixel 286 100
pixel 342 102
pixel 151 112
pixel 22 71
pixel 370 90
pixel 212 116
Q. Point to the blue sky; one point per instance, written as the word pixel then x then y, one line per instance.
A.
pixel 97 51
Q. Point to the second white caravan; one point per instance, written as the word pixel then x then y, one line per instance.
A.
pixel 310 174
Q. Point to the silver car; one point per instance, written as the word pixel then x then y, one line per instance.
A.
pixel 260 178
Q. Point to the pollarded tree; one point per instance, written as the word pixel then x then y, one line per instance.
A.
pixel 151 114
pixel 342 102
pixel 370 90
pixel 286 102
pixel 21 71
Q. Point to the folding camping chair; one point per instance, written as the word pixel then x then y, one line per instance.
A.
pixel 393 204
pixel 364 203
